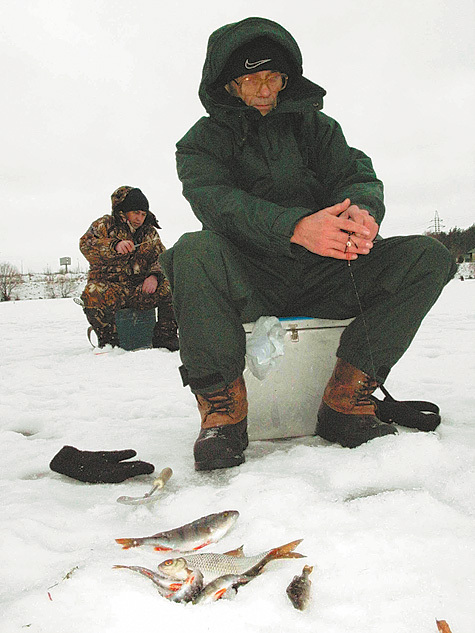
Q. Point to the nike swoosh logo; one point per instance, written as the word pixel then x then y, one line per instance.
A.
pixel 250 65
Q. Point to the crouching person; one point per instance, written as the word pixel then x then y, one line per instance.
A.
pixel 122 250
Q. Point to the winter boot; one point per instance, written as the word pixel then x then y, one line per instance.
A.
pixel 347 413
pixel 103 324
pixel 165 334
pixel 223 436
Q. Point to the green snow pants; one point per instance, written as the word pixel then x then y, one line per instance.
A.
pixel 216 288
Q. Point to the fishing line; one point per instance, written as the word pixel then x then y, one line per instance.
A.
pixel 415 414
pixel 365 325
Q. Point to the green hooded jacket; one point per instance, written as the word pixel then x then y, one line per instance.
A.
pixel 251 178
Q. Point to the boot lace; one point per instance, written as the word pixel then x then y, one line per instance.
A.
pixel 364 390
pixel 221 401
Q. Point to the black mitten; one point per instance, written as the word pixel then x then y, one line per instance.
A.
pixel 98 467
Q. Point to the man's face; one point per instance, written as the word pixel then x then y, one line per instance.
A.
pixel 258 90
pixel 136 218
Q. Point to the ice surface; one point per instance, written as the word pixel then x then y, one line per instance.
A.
pixel 389 526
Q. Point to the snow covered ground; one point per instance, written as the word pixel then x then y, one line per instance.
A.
pixel 49 286
pixel 389 526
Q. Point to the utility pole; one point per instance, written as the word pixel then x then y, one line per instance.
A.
pixel 436 224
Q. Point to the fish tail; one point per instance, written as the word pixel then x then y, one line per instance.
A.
pixel 140 570
pixel 285 551
pixel 127 543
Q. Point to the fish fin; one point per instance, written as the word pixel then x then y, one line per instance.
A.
pixel 175 586
pixel 127 543
pixel 284 551
pixel 238 552
pixel 161 548
pixel 191 579
pixel 220 593
pixel 201 546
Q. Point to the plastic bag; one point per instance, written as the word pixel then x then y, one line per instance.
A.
pixel 265 346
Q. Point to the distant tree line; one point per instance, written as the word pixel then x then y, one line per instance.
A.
pixel 458 241
pixel 10 278
pixel 59 284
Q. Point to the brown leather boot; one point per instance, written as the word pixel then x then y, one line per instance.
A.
pixel 347 413
pixel 223 436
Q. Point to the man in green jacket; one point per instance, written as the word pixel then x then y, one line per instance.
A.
pixel 290 216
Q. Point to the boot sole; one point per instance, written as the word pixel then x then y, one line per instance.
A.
pixel 339 428
pixel 220 463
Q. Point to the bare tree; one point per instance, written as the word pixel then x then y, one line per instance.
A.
pixel 50 283
pixel 10 278
pixel 65 284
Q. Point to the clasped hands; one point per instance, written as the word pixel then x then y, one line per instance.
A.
pixel 150 283
pixel 343 231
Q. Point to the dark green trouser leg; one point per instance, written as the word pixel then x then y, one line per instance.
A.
pixel 397 284
pixel 406 293
pixel 212 297
pixel 216 289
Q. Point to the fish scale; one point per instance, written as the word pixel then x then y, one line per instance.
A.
pixel 214 565
pixel 218 564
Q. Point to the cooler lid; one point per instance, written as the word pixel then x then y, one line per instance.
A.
pixel 305 323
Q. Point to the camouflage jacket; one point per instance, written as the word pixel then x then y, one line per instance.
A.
pixel 98 245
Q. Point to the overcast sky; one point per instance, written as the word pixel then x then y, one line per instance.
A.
pixel 95 94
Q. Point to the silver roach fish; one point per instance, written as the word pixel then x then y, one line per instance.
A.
pixel 189 537
pixel 226 586
pixel 223 587
pixel 185 589
pixel 213 566
pixel 299 589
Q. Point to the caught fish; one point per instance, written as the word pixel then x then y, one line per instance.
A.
pixel 223 587
pixel 299 589
pixel 189 537
pixel 214 565
pixel 183 590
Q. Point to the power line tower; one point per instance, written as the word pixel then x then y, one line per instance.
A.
pixel 436 225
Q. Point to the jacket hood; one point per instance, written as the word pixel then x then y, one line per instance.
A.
pixel 119 208
pixel 225 40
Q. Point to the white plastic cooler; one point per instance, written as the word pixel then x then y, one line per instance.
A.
pixel 286 402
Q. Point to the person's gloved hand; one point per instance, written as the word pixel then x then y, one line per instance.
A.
pixel 98 467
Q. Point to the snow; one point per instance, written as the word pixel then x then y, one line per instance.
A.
pixel 388 526
pixel 49 285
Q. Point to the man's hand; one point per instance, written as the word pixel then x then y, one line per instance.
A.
pixel 328 231
pixel 362 216
pixel 124 247
pixel 150 285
